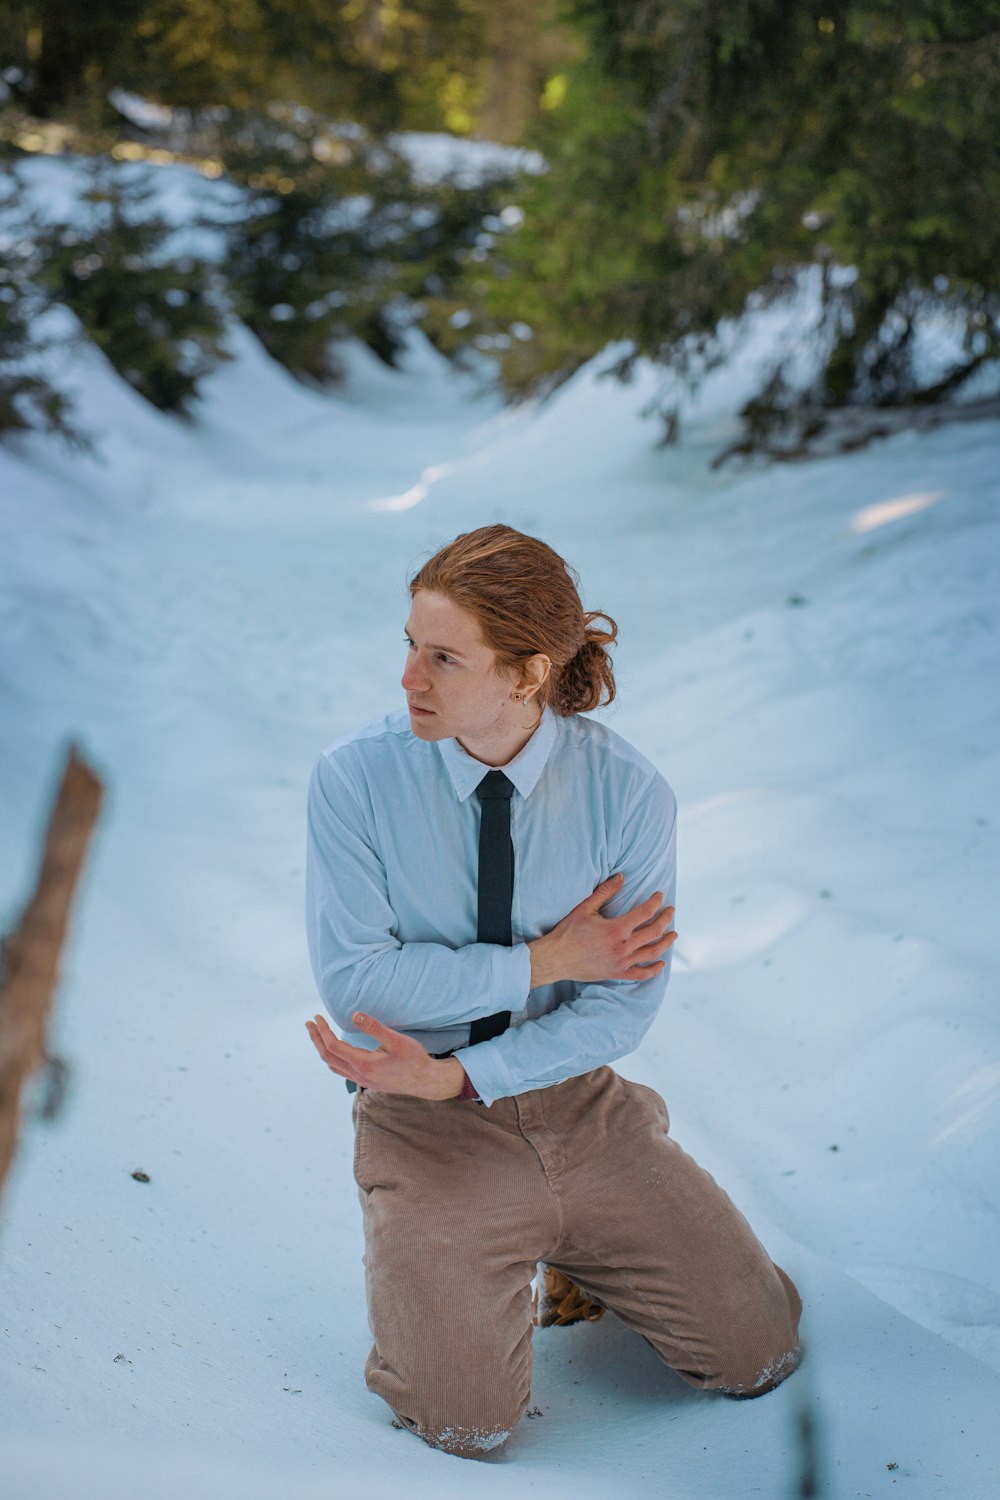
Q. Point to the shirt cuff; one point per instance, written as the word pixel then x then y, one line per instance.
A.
pixel 489 1074
pixel 510 976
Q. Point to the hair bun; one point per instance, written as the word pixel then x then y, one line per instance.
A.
pixel 587 680
pixel 593 634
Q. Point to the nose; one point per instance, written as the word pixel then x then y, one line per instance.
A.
pixel 414 678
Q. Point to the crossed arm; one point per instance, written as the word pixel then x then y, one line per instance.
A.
pixel 584 946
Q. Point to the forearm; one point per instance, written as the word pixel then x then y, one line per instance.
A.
pixel 422 986
pixel 601 1024
pixel 352 926
pixel 429 986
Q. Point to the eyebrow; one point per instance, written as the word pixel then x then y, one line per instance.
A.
pixel 450 650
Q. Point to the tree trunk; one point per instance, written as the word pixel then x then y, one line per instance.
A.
pixel 31 953
pixel 522 47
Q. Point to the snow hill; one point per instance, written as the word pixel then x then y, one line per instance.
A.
pixel 809 653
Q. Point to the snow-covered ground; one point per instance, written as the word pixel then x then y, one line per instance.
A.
pixel 808 652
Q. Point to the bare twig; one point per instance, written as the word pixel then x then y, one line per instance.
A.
pixel 31 953
pixel 808 1479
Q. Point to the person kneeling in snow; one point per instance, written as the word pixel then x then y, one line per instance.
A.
pixel 490 889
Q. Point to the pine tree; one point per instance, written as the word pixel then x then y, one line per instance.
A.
pixel 412 64
pixel 704 155
pixel 336 240
pixel 154 313
pixel 27 397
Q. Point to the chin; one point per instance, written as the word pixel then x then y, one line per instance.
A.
pixel 428 729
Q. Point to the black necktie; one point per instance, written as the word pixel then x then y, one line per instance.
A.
pixel 496 883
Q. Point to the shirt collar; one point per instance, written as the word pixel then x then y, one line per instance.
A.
pixel 524 770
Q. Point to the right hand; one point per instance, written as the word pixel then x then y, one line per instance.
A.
pixel 588 946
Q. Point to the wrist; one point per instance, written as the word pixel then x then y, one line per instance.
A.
pixel 450 1078
pixel 545 968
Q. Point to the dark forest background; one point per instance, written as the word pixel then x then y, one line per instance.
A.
pixel 696 157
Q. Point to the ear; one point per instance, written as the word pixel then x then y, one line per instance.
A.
pixel 536 671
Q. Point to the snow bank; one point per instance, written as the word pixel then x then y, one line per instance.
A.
pixel 810 655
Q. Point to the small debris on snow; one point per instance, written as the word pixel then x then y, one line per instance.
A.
pixel 141 1176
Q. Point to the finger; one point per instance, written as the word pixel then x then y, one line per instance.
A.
pixel 644 971
pixel 604 892
pixel 652 949
pixel 324 1028
pixel 657 927
pixel 665 912
pixel 334 1051
pixel 316 1039
pixel 342 1070
pixel 384 1035
pixel 639 915
pixel 326 1045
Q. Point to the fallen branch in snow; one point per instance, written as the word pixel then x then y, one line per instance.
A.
pixel 826 433
pixel 31 953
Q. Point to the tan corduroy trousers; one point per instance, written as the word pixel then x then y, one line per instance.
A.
pixel 462 1201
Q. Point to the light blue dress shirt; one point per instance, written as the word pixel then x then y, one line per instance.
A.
pixel 391 892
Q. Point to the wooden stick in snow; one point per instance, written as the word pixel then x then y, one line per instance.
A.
pixel 29 968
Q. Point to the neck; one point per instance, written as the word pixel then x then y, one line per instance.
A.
pixel 498 749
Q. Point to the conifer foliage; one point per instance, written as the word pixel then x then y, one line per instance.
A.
pixel 705 154
pixel 27 397
pixel 152 310
pixel 334 238
pixel 703 158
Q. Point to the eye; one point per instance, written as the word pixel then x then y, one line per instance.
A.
pixel 441 656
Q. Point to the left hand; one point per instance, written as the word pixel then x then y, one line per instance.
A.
pixel 399 1065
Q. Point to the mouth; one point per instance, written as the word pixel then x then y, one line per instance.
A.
pixel 415 710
